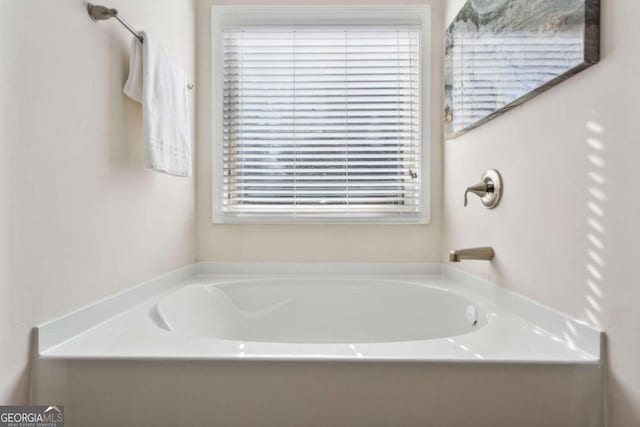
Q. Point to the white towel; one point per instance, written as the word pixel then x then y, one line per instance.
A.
pixel 161 87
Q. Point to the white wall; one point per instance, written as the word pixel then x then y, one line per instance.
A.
pixel 566 232
pixel 338 243
pixel 11 381
pixel 86 218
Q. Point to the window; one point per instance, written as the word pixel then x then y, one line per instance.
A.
pixel 320 123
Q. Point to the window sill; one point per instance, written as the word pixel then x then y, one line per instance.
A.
pixel 262 220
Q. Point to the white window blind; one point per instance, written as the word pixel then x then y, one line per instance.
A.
pixel 321 123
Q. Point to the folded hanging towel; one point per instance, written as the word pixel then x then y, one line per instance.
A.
pixel 161 87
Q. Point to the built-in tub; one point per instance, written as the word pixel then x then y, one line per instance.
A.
pixel 319 310
pixel 319 345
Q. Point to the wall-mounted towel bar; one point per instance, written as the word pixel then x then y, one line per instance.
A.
pixel 101 13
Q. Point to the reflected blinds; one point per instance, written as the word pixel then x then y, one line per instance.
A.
pixel 321 123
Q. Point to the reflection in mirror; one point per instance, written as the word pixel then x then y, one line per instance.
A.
pixel 500 53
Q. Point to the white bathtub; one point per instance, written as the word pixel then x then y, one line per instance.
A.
pixel 320 345
pixel 319 310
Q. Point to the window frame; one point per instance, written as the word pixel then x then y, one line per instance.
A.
pixel 226 17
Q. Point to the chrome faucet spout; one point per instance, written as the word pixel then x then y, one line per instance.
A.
pixel 483 253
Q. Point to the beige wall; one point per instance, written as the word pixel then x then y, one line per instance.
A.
pixel 86 218
pixel 339 243
pixel 11 383
pixel 566 233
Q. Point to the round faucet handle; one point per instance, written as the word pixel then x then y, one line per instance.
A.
pixel 489 189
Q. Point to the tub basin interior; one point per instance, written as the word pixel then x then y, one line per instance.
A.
pixel 318 311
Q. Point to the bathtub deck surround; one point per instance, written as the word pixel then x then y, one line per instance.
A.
pixel 413 312
pixel 426 334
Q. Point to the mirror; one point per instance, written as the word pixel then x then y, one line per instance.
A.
pixel 501 53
